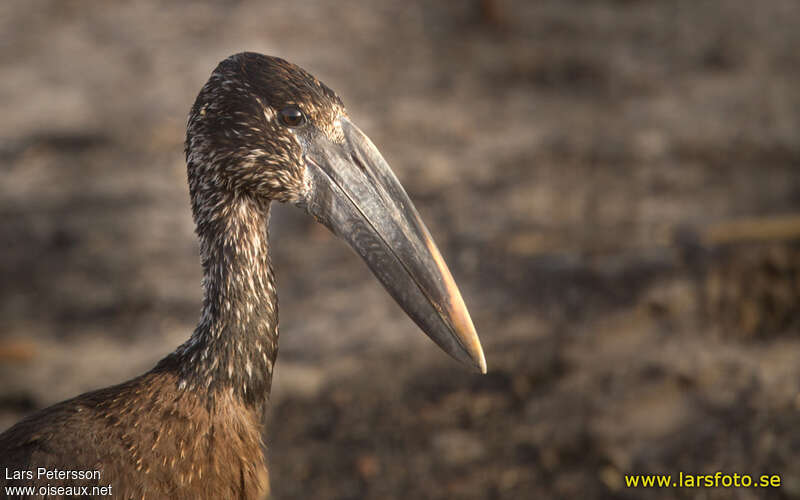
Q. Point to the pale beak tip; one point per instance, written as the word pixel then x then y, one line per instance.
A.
pixel 476 353
pixel 468 340
pixel 482 364
pixel 471 345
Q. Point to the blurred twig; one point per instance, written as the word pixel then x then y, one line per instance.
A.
pixel 19 351
pixel 784 227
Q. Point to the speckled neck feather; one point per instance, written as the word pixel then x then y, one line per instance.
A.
pixel 234 346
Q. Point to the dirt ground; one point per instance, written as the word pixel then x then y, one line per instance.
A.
pixel 615 185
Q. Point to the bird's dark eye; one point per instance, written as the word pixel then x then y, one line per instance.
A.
pixel 292 117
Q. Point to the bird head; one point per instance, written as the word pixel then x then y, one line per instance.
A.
pixel 264 128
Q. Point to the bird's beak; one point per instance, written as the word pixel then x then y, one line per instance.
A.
pixel 356 195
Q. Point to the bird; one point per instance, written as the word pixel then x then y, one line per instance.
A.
pixel 261 130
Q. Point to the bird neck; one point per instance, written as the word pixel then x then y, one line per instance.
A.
pixel 234 346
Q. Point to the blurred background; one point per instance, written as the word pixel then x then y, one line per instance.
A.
pixel 615 185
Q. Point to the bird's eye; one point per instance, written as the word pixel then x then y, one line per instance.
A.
pixel 292 117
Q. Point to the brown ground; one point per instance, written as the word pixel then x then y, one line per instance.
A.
pixel 615 184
